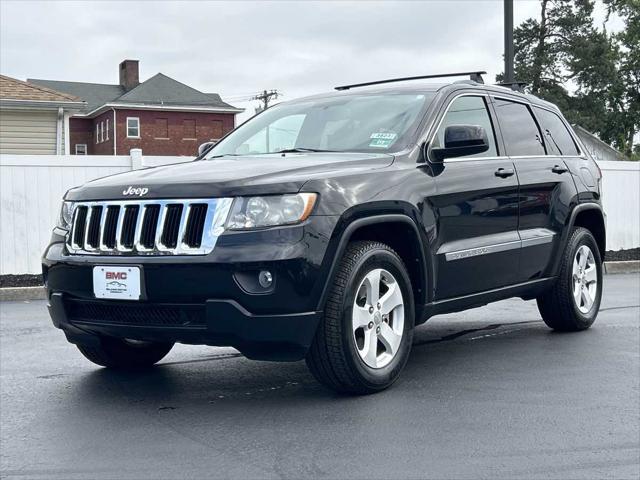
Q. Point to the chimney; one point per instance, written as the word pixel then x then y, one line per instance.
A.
pixel 129 77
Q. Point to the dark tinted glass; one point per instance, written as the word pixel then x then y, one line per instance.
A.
pixel 468 110
pixel 555 133
pixel 519 130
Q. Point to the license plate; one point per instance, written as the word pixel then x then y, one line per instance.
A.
pixel 122 283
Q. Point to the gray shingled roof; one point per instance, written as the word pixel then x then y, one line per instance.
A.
pixel 157 90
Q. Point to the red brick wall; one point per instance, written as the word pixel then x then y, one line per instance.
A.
pixel 81 131
pixel 155 124
pixel 104 147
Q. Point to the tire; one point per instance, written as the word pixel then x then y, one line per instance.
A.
pixel 559 307
pixel 124 354
pixel 339 353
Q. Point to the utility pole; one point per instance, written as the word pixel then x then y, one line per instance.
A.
pixel 509 75
pixel 265 97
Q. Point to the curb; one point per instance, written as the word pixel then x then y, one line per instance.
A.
pixel 18 294
pixel 628 266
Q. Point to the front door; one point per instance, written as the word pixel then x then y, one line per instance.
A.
pixel 476 207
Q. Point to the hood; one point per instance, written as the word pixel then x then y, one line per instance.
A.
pixel 229 176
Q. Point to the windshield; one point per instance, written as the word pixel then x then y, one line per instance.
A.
pixel 353 123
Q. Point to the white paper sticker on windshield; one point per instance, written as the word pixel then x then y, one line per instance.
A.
pixel 382 139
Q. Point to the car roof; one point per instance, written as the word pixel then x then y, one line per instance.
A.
pixel 418 87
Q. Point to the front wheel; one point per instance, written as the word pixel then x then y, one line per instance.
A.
pixel 364 339
pixel 125 354
pixel 573 302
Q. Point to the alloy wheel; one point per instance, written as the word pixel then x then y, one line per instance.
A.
pixel 378 318
pixel 585 279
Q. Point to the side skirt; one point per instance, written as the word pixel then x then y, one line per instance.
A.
pixel 526 291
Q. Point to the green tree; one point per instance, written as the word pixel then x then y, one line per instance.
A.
pixel 625 103
pixel 564 48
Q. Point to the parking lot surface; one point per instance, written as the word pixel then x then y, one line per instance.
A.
pixel 487 393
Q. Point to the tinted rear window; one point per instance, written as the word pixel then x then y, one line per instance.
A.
pixel 555 134
pixel 519 130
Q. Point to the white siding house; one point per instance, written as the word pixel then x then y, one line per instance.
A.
pixel 33 119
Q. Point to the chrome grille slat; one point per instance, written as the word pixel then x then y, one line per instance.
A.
pixel 160 226
pixel 91 227
pixel 119 223
pixel 79 220
pixel 186 214
pixel 103 225
pixel 130 215
pixel 202 236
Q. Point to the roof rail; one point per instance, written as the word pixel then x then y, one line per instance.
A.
pixel 475 76
pixel 515 86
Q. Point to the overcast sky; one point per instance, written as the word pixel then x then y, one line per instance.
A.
pixel 239 48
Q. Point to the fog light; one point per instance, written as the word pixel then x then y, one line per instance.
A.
pixel 265 279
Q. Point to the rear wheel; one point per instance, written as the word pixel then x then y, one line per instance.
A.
pixel 573 302
pixel 364 339
pixel 125 354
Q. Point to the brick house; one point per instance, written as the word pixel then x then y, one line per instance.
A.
pixel 161 116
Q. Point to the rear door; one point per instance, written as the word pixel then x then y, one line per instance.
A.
pixel 476 207
pixel 535 140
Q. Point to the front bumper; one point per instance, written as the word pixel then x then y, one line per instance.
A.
pixel 207 299
pixel 216 322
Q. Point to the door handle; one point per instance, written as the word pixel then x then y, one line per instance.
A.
pixel 504 172
pixel 559 169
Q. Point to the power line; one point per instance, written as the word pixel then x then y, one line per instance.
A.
pixel 265 97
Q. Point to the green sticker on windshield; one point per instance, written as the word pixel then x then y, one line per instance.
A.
pixel 382 140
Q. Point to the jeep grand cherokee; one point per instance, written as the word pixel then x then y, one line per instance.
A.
pixel 327 228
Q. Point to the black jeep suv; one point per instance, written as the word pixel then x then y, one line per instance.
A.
pixel 327 228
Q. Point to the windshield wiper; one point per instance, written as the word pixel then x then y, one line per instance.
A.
pixel 224 155
pixel 302 150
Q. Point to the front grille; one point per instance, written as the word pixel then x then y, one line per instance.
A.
pixel 147 227
pixel 135 314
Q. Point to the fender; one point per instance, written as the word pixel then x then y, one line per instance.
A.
pixel 581 207
pixel 352 227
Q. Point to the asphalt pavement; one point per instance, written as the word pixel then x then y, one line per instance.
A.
pixel 487 393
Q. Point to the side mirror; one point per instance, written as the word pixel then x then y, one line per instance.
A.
pixel 205 147
pixel 462 140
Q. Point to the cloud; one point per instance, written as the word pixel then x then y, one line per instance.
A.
pixel 239 48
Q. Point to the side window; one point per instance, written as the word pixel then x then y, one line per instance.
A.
pixel 519 130
pixel 468 110
pixel 555 133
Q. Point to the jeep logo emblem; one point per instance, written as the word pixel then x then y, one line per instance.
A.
pixel 141 191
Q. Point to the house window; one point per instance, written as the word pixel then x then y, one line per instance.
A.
pixel 217 129
pixel 133 127
pixel 162 128
pixel 97 133
pixel 189 127
pixel 107 137
pixel 101 132
pixel 81 148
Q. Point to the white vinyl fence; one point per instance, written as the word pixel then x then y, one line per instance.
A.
pixel 31 189
pixel 32 186
pixel 621 203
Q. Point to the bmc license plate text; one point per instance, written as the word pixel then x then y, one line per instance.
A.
pixel 121 283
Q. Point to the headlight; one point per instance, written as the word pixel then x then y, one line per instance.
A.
pixel 66 216
pixel 269 211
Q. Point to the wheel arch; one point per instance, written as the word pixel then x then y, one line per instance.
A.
pixel 587 215
pixel 592 218
pixel 385 229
